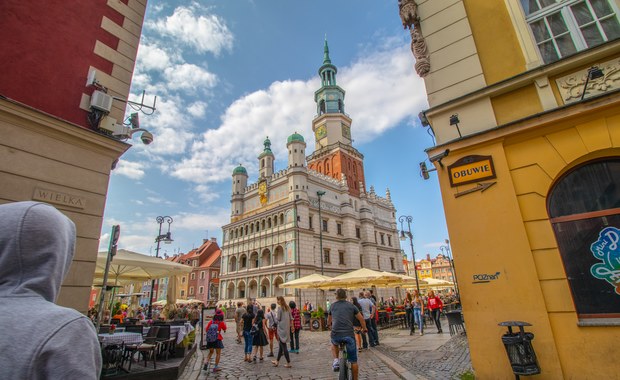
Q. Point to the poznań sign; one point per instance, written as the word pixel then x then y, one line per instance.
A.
pixel 471 169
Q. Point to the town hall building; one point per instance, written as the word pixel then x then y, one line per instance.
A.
pixel 315 216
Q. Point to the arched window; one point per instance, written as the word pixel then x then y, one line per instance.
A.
pixel 262 163
pixel 584 210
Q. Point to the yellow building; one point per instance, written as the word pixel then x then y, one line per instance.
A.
pixel 524 104
pixel 426 268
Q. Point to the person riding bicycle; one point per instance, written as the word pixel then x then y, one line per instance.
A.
pixel 341 316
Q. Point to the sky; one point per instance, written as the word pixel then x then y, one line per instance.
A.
pixel 229 73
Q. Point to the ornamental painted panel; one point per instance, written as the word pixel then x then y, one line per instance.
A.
pixel 290 252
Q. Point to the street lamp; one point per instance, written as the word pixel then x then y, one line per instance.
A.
pixel 166 238
pixel 320 194
pixel 403 236
pixel 446 250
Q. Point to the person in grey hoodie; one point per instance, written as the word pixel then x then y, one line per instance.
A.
pixel 39 339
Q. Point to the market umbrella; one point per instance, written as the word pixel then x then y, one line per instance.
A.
pixel 312 281
pixel 435 283
pixel 128 266
pixel 360 278
pixel 160 303
pixel 171 291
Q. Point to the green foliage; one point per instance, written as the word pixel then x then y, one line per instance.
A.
pixel 116 308
pixel 469 375
pixel 320 313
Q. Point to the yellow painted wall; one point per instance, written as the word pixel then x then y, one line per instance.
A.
pixel 506 229
pixel 516 104
pixel 498 47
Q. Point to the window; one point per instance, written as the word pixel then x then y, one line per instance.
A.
pixel 389 240
pixel 202 275
pixel 214 274
pixel 382 239
pixel 324 225
pixel 191 290
pixel 392 263
pixel 326 256
pixel 584 210
pixel 339 228
pixel 194 263
pixel 182 293
pixel 341 257
pixel 358 233
pixel 378 263
pixel 183 280
pixel 201 290
pixel 192 276
pixel 563 27
pixel 361 261
pixel 310 221
pixel 244 262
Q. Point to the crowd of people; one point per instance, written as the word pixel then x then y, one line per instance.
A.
pixel 353 323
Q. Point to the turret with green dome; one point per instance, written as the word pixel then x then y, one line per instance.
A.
pixel 240 170
pixel 266 160
pixel 295 137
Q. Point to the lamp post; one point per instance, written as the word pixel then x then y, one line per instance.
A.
pixel 167 240
pixel 320 194
pixel 446 249
pixel 403 236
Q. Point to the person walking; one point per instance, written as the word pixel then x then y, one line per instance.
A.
pixel 260 338
pixel 436 307
pixel 239 321
pixel 417 307
pixel 296 327
pixel 363 304
pixel 357 326
pixel 215 340
pixel 247 319
pixel 41 340
pixel 283 317
pixel 369 310
pixel 408 311
pixel 272 327
pixel 341 317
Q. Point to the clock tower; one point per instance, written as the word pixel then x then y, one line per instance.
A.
pixel 334 154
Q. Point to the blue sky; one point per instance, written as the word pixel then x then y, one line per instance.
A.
pixel 228 73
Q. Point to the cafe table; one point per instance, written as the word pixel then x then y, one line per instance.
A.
pixel 119 338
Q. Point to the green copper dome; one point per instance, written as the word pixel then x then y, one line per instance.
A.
pixel 295 137
pixel 240 170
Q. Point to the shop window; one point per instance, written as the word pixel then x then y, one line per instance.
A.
pixel 584 210
pixel 563 27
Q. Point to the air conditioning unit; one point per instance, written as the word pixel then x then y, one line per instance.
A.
pixel 101 101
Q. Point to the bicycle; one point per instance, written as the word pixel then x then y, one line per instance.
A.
pixel 345 371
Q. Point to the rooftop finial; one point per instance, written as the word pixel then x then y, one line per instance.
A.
pixel 326 52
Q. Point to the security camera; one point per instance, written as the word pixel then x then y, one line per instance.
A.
pixel 439 156
pixel 146 137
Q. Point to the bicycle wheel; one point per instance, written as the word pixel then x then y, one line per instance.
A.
pixel 344 370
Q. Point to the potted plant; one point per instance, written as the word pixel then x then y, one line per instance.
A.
pixel 317 320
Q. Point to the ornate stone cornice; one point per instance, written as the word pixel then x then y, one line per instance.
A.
pixel 409 15
pixel 573 86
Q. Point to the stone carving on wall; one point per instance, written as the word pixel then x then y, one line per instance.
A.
pixel 409 15
pixel 571 86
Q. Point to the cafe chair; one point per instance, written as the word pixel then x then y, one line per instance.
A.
pixel 165 341
pixel 148 349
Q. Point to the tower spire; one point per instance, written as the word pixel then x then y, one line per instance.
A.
pixel 326 60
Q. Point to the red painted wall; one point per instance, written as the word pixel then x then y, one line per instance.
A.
pixel 46 49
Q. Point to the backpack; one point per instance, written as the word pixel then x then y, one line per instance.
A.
pixel 212 332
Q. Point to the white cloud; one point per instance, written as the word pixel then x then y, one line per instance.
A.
pixel 382 91
pixel 200 222
pixel 195 27
pixel 197 109
pixel 133 170
pixel 152 57
pixel 434 245
pixel 189 77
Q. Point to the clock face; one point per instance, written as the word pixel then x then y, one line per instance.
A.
pixel 346 131
pixel 321 132
pixel 262 187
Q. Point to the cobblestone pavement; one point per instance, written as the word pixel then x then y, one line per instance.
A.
pixel 400 356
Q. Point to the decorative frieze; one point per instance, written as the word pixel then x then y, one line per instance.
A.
pixel 572 86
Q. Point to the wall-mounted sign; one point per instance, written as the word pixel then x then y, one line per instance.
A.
pixel 471 169
pixel 481 278
pixel 51 196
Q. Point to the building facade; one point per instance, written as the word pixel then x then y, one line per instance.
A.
pixel 525 108
pixel 315 216
pixel 51 148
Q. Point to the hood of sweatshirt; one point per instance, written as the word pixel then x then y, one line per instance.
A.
pixel 37 243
